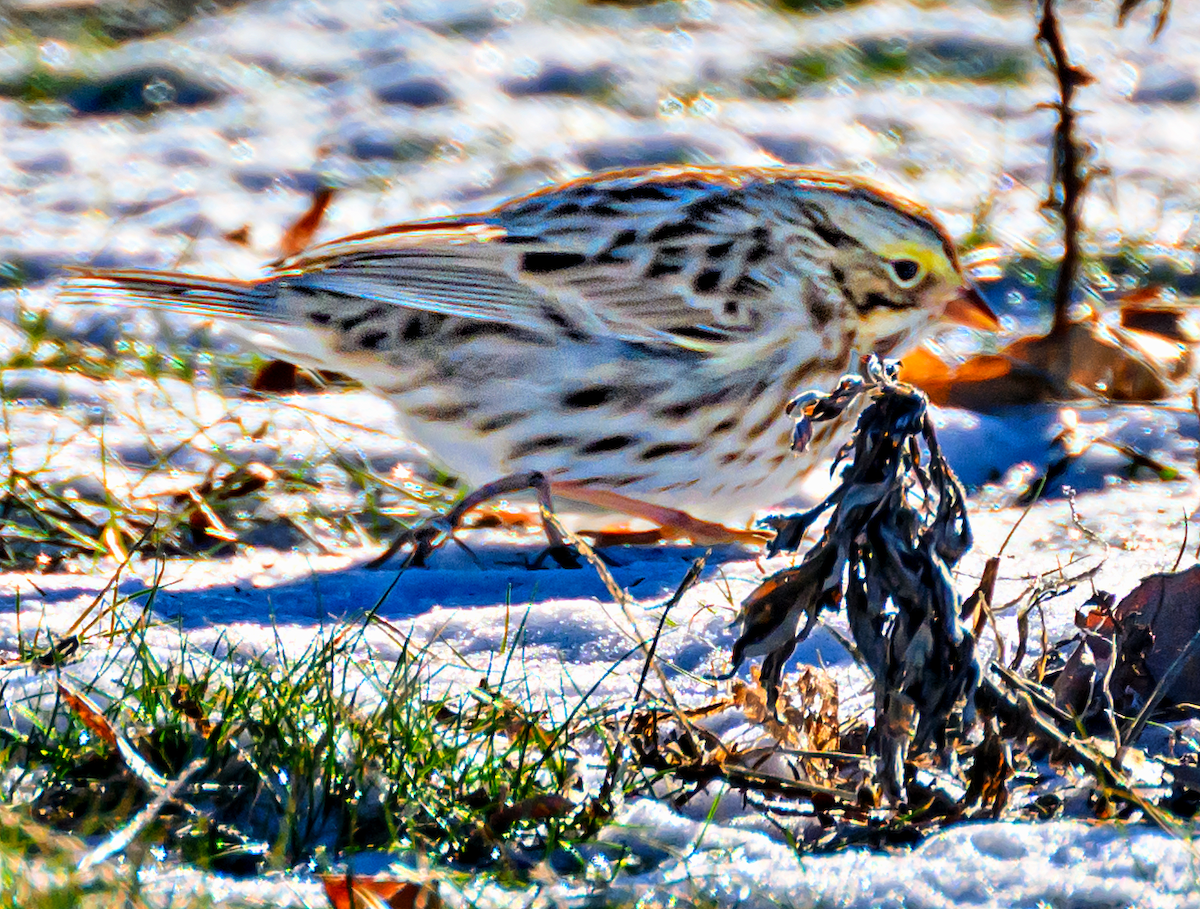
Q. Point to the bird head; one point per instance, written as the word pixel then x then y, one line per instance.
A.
pixel 895 266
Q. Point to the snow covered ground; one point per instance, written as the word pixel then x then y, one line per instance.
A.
pixel 467 610
pixel 417 109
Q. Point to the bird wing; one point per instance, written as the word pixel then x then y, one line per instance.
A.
pixel 683 261
pixel 447 267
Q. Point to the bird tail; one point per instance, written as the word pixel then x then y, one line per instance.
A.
pixel 215 297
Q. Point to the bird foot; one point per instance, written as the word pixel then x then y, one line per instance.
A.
pixel 432 534
pixel 673 524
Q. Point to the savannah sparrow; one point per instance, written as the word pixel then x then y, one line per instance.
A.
pixel 635 335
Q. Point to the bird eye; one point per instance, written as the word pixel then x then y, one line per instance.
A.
pixel 906 271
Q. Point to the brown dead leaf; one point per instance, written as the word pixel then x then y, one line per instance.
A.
pixel 275 377
pixel 182 700
pixel 500 714
pixel 1145 310
pixel 990 771
pixel 59 653
pixel 1075 686
pixel 1088 359
pixel 299 235
pixel 752 699
pixel 534 808
pixel 811 709
pixel 347 891
pixel 508 517
pixel 88 713
pixel 1168 607
pixel 978 607
pixel 806 714
pixel 244 480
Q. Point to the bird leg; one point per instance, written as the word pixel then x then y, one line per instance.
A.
pixel 673 524
pixel 429 535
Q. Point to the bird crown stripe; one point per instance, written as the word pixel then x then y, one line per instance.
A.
pixel 735 178
pixel 483 227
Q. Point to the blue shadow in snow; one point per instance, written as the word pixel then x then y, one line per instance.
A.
pixel 453 579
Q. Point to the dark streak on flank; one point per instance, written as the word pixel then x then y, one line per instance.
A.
pixel 449 413
pixel 612 443
pixel 320 318
pixel 748 286
pixel 589 397
pixel 679 230
pixel 708 399
pixel 707 281
pixel 491 424
pixel 422 325
pixel 757 390
pixel 612 482
pixel 559 320
pixel 664 449
pixel 468 329
pixel 761 426
pixel 625 237
pixel 372 339
pixel 719 250
pixel 352 322
pixel 757 253
pixel 541 443
pixel 544 263
pixel 682 484
pixel 658 268
pixel 698 333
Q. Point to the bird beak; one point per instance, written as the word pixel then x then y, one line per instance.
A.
pixel 969 309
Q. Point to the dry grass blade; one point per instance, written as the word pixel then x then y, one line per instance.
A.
pixel 602 802
pixel 122 838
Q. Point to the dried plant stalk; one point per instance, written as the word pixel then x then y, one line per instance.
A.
pixel 897 527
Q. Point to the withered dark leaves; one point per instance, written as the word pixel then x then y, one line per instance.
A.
pixel 898 524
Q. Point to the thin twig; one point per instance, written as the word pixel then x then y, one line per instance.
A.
pixel 693 574
pixel 1160 19
pixel 1067 179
